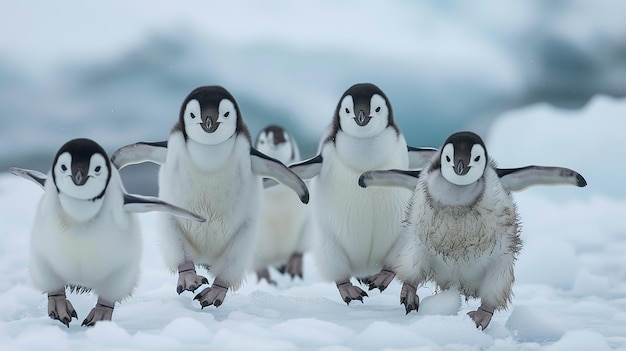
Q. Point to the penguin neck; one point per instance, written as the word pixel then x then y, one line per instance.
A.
pixel 442 191
pixel 377 152
pixel 210 158
pixel 78 209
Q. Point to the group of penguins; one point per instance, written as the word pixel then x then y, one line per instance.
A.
pixel 380 209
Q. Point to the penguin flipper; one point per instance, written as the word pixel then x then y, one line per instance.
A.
pixel 390 178
pixel 155 152
pixel 419 156
pixel 138 203
pixel 516 179
pixel 308 169
pixel 265 166
pixel 34 176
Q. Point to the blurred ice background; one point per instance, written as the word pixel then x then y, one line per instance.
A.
pixel 117 71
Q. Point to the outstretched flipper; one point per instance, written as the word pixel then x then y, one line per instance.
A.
pixel 265 166
pixel 516 179
pixel 140 152
pixel 34 176
pixel 308 169
pixel 419 156
pixel 137 203
pixel 389 178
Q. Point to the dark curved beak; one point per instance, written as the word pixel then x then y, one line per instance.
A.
pixel 79 177
pixel 460 168
pixel 209 124
pixel 362 119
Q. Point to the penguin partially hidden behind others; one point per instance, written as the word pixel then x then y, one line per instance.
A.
pixel 358 228
pixel 209 166
pixel 462 225
pixel 85 236
pixel 284 231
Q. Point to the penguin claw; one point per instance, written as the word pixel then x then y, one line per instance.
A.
pixel 213 295
pixel 350 292
pixel 61 309
pixel 189 281
pixel 482 317
pixel 294 265
pixel 409 298
pixel 381 280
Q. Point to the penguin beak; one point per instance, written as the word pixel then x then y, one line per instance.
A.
pixel 460 168
pixel 362 120
pixel 209 124
pixel 79 177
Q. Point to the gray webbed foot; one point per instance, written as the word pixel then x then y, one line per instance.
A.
pixel 409 298
pixel 482 316
pixel 294 265
pixel 188 279
pixel 60 308
pixel 265 274
pixel 350 292
pixel 213 295
pixel 381 279
pixel 103 311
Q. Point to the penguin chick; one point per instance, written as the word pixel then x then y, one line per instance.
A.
pixel 462 225
pixel 85 236
pixel 209 166
pixel 358 228
pixel 284 224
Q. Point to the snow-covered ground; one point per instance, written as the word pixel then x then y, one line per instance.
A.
pixel 570 292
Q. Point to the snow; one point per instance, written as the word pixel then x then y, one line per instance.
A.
pixel 570 292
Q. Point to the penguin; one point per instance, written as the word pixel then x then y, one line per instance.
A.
pixel 284 229
pixel 358 228
pixel 462 226
pixel 85 236
pixel 209 166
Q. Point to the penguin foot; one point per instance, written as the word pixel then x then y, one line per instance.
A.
pixel 364 280
pixel 265 274
pixel 294 265
pixel 381 279
pixel 350 292
pixel 188 279
pixel 101 312
pixel 482 316
pixel 213 295
pixel 409 298
pixel 60 308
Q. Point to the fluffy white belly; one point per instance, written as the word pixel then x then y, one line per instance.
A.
pixel 364 222
pixel 86 254
pixel 225 198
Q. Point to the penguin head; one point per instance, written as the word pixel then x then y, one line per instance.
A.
pixel 363 111
pixel 463 158
pixel 81 170
pixel 209 115
pixel 276 142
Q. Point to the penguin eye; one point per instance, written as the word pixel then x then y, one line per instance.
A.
pixel 227 114
pixel 477 158
pixel 98 169
pixel 63 168
pixel 447 158
pixel 347 110
pixel 192 115
pixel 377 109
